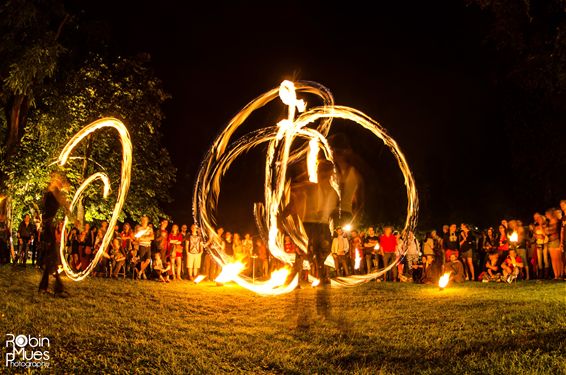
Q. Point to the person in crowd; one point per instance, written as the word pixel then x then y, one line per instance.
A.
pixel 456 269
pixel 444 242
pixel 194 248
pixel 488 244
pixel 210 267
pixel 118 257
pixel 428 251
pixel 413 252
pixel 542 239
pixel 563 236
pixel 371 240
pixel 26 233
pixel 492 267
pixel 229 244
pixel 467 248
pixel 502 241
pixel 4 238
pixel 73 244
pixel 248 251
pixel 512 266
pixel 438 250
pixel 339 250
pixel 388 245
pixel 238 248
pixel 553 234
pixel 175 251
pixel 262 258
pixel 145 236
pixel 451 243
pixel 522 246
pixel 86 242
pixel 160 269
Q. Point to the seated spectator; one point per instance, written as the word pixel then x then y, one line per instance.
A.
pixel 160 270
pixel 512 266
pixel 492 269
pixel 456 269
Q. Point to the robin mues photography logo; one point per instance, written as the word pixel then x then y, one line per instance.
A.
pixel 26 351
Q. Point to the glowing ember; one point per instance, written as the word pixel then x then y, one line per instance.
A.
pixel 376 247
pixel 315 283
pixel 106 122
pixel 199 278
pixel 357 260
pixel 514 237
pixel 230 271
pixel 443 281
pixel 348 228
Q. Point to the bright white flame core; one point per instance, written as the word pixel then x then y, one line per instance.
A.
pixel 279 156
pixel 443 281
pixel 514 237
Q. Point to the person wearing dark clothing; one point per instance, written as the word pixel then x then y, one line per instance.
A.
pixel 4 247
pixel 53 199
pixel 26 233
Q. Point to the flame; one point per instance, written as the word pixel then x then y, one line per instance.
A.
pixel 230 271
pixel 199 278
pixel 312 125
pixel 357 260
pixel 315 283
pixel 312 160
pixel 514 237
pixel 443 281
pixel 141 232
pixel 377 247
pixel 347 227
pixel 121 195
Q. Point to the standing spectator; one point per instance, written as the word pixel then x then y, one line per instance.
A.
pixel 542 246
pixel 248 249
pixel 438 250
pixel 175 251
pixel 339 249
pixel 412 252
pixel 553 233
pixel 388 244
pixel 488 244
pixel 229 244
pixel 451 243
pixel 145 237
pixel 369 243
pixel 210 267
pixel 4 238
pixel 194 248
pixel 238 247
pixel 467 246
pixel 73 243
pixel 444 241
pixel 502 241
pixel 262 257
pixel 522 245
pixel 26 232
pixel 428 249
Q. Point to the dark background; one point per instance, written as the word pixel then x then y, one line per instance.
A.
pixel 421 69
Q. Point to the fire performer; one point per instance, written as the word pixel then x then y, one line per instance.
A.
pixel 53 199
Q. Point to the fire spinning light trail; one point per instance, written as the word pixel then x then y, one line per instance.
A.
pixel 280 155
pixel 106 122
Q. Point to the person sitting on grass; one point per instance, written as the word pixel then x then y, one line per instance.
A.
pixel 159 269
pixel 492 269
pixel 118 256
pixel 512 266
pixel 456 269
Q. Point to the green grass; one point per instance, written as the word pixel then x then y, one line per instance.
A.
pixel 109 326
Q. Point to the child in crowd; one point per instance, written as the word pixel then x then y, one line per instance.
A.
pixel 160 270
pixel 512 266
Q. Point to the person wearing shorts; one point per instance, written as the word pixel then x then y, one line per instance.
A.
pixel 145 236
pixel 193 250
pixel 176 251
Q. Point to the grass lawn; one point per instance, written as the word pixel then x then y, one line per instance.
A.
pixel 126 326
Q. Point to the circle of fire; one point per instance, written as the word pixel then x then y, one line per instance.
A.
pixel 106 122
pixel 277 186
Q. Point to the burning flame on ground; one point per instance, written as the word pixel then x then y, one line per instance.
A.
pixel 444 279
pixel 315 283
pixel 199 278
pixel 230 271
pixel 313 125
pixel 357 260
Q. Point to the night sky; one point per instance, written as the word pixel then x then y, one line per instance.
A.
pixel 420 69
